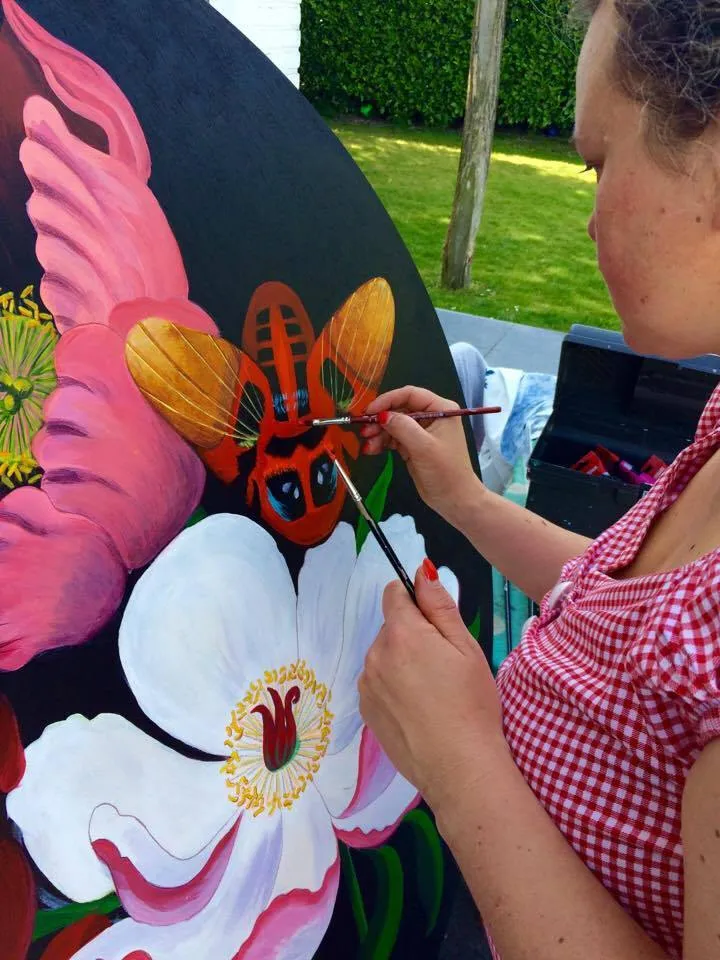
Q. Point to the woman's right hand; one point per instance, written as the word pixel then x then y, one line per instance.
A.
pixel 436 452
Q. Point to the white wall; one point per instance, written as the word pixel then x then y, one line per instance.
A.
pixel 272 25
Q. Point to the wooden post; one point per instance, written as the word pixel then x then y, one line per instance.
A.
pixel 479 126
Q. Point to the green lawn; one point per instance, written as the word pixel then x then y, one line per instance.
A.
pixel 534 263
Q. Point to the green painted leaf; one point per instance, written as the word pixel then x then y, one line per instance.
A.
pixel 375 501
pixel 384 924
pixel 476 626
pixel 199 515
pixel 50 921
pixel 356 898
pixel 429 864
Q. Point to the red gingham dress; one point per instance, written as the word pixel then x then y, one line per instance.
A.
pixel 611 696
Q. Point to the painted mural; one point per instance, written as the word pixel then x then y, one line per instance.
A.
pixel 186 601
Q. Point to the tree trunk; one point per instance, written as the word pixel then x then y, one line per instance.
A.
pixel 480 112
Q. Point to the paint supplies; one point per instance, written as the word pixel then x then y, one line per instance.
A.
pixel 617 419
pixel 601 462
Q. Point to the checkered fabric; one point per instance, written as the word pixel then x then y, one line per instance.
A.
pixel 611 696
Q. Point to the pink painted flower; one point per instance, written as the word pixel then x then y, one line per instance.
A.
pixel 118 482
pixel 234 859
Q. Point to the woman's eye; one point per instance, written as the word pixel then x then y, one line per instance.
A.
pixel 592 167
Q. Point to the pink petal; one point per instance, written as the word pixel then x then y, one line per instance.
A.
pixel 183 312
pixel 84 87
pixel 361 839
pixel 60 578
pixel 294 924
pixel 102 237
pixel 108 456
pixel 154 886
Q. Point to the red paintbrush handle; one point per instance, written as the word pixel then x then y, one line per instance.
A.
pixel 434 414
pixel 421 416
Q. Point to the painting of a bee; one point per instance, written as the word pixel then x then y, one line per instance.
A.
pixel 228 402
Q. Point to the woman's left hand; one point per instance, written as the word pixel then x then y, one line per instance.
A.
pixel 427 692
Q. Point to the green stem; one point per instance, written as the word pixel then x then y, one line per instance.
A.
pixel 49 921
pixel 358 907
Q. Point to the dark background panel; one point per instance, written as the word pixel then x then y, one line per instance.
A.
pixel 255 188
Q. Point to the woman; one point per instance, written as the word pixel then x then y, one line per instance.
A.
pixel 581 795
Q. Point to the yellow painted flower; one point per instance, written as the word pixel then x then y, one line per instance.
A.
pixel 27 378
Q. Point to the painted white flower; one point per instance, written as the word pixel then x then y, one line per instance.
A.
pixel 234 859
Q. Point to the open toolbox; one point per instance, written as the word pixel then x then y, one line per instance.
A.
pixel 634 405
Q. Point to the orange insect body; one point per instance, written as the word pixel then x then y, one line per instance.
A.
pixel 281 374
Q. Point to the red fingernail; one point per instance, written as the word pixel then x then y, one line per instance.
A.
pixel 430 570
pixel 367 447
pixel 383 417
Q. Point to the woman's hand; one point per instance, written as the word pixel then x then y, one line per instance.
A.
pixel 436 454
pixel 427 692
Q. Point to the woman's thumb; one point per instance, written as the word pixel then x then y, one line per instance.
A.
pixel 438 607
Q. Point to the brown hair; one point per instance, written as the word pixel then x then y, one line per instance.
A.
pixel 668 57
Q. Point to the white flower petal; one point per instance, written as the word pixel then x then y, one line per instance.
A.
pixel 322 586
pixel 351 780
pixel 154 886
pixel 309 845
pixel 372 825
pixel 219 931
pixel 78 765
pixel 337 778
pixel 363 617
pixel 293 926
pixel 210 615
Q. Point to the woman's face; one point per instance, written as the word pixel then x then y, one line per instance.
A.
pixel 657 229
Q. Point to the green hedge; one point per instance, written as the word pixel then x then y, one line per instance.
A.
pixel 408 59
pixel 537 79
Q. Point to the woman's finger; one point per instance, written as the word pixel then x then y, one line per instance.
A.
pixel 375 446
pixel 410 398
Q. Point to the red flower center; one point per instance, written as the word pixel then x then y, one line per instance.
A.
pixel 280 731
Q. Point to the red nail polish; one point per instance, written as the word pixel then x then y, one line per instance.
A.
pixel 367 447
pixel 430 570
pixel 383 417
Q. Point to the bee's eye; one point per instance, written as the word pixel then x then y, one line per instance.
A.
pixel 324 480
pixel 286 496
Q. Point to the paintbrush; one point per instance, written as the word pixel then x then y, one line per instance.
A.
pixel 376 531
pixel 422 416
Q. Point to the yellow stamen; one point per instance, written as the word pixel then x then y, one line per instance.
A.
pixel 250 783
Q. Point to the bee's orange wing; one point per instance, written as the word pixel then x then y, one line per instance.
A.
pixel 349 358
pixel 206 388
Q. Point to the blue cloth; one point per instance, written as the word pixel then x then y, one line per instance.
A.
pixel 504 445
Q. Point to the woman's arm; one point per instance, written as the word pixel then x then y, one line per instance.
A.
pixel 537 898
pixel 535 894
pixel 525 548
pixel 430 699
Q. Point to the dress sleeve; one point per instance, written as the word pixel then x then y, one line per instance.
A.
pixel 675 662
pixel 571 568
